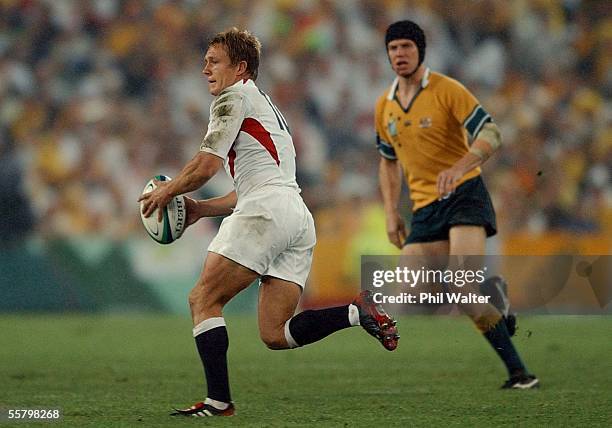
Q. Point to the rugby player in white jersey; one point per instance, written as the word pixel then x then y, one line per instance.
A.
pixel 269 234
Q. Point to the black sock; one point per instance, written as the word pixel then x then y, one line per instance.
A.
pixel 500 340
pixel 212 345
pixel 313 325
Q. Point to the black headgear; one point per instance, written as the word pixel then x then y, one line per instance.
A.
pixel 407 30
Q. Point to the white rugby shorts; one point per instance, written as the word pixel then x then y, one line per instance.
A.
pixel 270 232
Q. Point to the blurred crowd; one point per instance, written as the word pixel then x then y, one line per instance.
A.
pixel 98 96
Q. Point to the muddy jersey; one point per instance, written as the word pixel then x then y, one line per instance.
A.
pixel 251 135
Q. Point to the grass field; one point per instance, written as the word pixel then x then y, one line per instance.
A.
pixel 128 371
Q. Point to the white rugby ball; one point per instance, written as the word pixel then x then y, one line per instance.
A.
pixel 173 219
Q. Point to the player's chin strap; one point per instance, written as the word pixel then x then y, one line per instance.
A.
pixel 412 74
pixel 414 71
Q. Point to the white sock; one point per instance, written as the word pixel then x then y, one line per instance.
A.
pixel 353 315
pixel 219 405
pixel 288 337
pixel 208 324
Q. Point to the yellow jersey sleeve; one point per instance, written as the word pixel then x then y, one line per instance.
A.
pixel 464 107
pixel 383 142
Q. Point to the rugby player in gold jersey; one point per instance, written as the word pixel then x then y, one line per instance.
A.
pixel 431 128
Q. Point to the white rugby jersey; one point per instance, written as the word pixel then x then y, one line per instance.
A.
pixel 252 137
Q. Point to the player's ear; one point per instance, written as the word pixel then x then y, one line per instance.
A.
pixel 242 68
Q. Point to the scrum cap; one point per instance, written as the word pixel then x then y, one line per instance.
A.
pixel 407 30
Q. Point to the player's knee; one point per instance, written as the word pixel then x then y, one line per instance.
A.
pixel 273 340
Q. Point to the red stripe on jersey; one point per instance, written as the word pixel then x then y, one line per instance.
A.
pixel 231 157
pixel 256 130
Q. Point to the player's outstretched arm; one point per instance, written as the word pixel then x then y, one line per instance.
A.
pixel 194 175
pixel 213 207
pixel 485 144
pixel 390 177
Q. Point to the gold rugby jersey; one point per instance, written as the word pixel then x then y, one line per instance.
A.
pixel 431 135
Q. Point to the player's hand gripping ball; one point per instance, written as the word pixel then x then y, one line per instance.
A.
pixel 172 225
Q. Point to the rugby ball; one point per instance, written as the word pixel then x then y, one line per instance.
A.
pixel 173 219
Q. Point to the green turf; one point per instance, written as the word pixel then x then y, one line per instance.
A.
pixel 128 371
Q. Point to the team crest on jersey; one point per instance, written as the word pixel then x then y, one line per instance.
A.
pixel 425 122
pixel 392 127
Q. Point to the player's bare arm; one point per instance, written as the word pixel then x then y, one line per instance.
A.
pixel 214 207
pixel 390 177
pixel 194 175
pixel 486 143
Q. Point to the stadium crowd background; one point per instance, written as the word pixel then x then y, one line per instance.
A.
pixel 98 96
